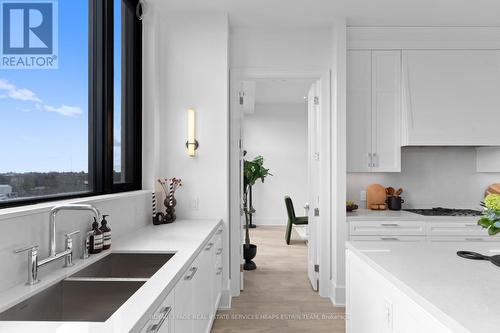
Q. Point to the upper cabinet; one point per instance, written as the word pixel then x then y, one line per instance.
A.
pixel 373 111
pixel 451 98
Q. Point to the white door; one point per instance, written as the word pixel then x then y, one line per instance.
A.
pixel 314 138
pixel 243 105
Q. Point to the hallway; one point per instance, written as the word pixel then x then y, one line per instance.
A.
pixel 277 296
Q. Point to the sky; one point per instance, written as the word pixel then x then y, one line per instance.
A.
pixel 44 112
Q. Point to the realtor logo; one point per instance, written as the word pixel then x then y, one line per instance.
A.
pixel 29 34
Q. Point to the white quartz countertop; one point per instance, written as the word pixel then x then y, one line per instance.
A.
pixel 184 237
pixel 462 294
pixel 385 215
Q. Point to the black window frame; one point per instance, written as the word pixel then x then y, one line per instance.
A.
pixel 101 103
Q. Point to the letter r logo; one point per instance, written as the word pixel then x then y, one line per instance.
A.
pixel 27 28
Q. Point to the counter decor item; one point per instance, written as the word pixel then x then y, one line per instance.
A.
pixel 490 219
pixel 169 186
pixel 351 206
pixel 493 189
pixel 376 197
pixel 106 233
pixel 252 171
pixel 394 200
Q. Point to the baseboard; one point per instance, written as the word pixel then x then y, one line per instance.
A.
pixel 225 300
pixel 337 295
pixel 270 222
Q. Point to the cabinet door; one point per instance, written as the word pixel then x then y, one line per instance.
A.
pixel 203 282
pixel 359 124
pixel 185 302
pixel 451 97
pixel 386 111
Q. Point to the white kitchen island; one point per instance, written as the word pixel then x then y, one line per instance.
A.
pixel 421 287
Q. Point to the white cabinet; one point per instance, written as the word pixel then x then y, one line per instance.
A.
pixel 419 231
pixel 374 111
pixel 197 294
pixel 451 97
pixel 378 306
pixel 359 111
pixel 162 321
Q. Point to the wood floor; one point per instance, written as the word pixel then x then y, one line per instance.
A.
pixel 278 297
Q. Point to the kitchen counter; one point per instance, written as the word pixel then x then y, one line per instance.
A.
pixel 460 294
pixel 184 237
pixel 385 215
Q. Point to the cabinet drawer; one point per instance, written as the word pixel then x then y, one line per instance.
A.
pixel 162 320
pixel 444 239
pixel 383 228
pixel 455 229
pixel 388 238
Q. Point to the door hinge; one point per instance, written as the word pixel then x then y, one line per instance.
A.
pixel 316 268
pixel 242 97
pixel 316 211
pixel 316 100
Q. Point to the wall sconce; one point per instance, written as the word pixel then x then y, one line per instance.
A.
pixel 191 143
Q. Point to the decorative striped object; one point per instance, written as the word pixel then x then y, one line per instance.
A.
pixel 154 203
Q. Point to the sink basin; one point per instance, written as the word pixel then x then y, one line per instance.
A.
pixel 74 301
pixel 125 265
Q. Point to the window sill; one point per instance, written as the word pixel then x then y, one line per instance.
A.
pixel 8 213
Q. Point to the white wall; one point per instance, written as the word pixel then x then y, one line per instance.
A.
pixel 431 177
pixel 193 71
pixel 278 132
pixel 128 212
pixel 279 48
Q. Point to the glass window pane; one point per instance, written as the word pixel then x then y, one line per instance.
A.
pixel 44 111
pixel 119 142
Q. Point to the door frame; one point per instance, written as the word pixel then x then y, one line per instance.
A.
pixel 324 245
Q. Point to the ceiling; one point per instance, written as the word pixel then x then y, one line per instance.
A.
pixel 282 91
pixel 302 13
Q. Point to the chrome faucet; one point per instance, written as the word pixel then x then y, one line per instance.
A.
pixel 67 254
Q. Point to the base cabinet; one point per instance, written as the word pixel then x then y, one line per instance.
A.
pixel 378 306
pixel 191 306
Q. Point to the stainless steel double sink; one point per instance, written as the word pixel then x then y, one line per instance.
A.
pixel 92 294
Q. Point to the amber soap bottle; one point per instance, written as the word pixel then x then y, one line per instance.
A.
pixel 96 240
pixel 106 233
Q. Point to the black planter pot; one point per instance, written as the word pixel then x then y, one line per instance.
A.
pixel 248 254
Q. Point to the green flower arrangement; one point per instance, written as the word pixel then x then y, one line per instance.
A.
pixel 490 219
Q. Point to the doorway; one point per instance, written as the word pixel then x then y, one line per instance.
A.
pixel 281 116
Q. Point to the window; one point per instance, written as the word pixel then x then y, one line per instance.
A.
pixel 70 128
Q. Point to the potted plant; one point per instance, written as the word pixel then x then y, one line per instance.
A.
pixel 491 215
pixel 252 172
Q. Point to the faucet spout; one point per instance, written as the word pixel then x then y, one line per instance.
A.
pixel 52 221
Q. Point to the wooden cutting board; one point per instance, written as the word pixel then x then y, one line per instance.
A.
pixel 375 195
pixel 493 189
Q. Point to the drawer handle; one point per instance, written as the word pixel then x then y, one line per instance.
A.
pixel 475 239
pixel 164 312
pixel 472 225
pixel 389 238
pixel 193 271
pixel 219 251
pixel 219 271
pixel 209 246
pixel 390 225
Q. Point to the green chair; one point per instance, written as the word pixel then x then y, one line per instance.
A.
pixel 292 219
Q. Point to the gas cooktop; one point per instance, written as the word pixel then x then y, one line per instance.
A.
pixel 439 211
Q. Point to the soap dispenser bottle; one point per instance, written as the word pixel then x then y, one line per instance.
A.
pixel 106 233
pixel 96 239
